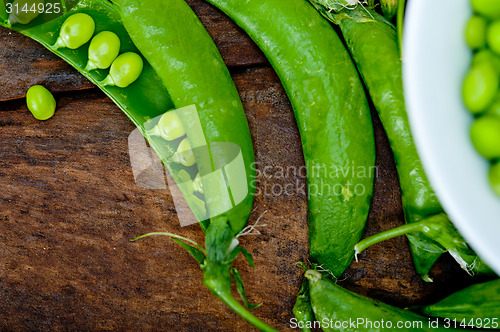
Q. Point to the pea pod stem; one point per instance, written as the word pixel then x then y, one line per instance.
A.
pixel 439 229
pixel 400 23
pixel 388 234
pixel 174 236
pixel 216 277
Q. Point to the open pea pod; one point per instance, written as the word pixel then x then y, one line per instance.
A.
pixel 142 101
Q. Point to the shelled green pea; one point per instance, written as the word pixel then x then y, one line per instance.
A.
pixel 125 70
pixel 76 31
pixel 485 134
pixel 487 8
pixel 486 54
pixel 169 127
pixel 22 16
pixel 495 177
pixel 480 86
pixel 41 102
pixel 493 36
pixel 494 109
pixel 184 154
pixel 197 184
pixel 475 32
pixel 103 50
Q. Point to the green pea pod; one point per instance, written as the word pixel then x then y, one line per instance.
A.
pixel 3 13
pixel 332 115
pixel 338 309
pixel 193 71
pixel 373 43
pixel 191 68
pixel 474 305
pixel 302 309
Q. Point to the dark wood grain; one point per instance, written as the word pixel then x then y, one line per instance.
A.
pixel 24 63
pixel 69 205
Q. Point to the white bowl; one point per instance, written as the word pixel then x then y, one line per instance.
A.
pixel 435 60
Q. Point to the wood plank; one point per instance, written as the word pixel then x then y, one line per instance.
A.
pixel 25 63
pixel 69 204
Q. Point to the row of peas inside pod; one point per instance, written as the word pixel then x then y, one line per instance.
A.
pixel 168 128
pixel 104 49
pixel 481 86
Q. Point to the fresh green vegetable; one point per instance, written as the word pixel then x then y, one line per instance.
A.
pixel 494 176
pixel 494 109
pixel 331 111
pixel 389 8
pixel 193 72
pixel 477 305
pixel 338 309
pixel 143 102
pixel 21 12
pixel 103 50
pixel 480 86
pixel 302 309
pixel 485 135
pixel 169 127
pixel 475 32
pixel 125 70
pixel 182 67
pixel 437 228
pixel 41 102
pixel 493 36
pixel 184 154
pixel 212 89
pixel 486 55
pixel 372 41
pixel 75 31
pixel 487 8
pixel 400 23
pixel 3 12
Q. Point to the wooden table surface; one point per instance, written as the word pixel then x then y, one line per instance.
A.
pixel 69 205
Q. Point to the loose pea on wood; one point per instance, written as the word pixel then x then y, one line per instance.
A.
pixel 40 102
pixel 103 50
pixel 76 31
